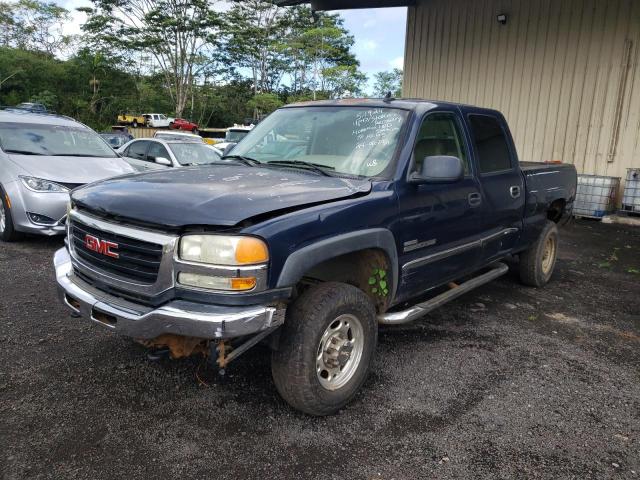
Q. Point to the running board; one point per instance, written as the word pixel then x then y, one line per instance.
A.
pixel 421 309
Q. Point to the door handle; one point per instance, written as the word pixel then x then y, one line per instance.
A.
pixel 474 199
pixel 514 191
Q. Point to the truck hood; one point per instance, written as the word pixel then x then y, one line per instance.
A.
pixel 71 169
pixel 212 195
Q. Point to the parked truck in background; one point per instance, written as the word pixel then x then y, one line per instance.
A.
pixel 328 219
pixel 134 119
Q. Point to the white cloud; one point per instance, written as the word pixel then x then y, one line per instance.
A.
pixel 397 62
pixel 369 45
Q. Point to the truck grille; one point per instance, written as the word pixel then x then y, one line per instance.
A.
pixel 137 260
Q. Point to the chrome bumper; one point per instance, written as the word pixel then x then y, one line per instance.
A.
pixel 176 317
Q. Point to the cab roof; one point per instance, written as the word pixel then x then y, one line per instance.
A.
pixel 415 104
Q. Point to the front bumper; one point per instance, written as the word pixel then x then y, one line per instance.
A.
pixel 53 205
pixel 177 317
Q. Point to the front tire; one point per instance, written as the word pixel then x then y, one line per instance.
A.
pixel 135 124
pixel 327 345
pixel 7 230
pixel 538 263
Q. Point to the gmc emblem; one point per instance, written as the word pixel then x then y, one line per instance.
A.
pixel 103 247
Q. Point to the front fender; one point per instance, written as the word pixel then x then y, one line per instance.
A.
pixel 302 260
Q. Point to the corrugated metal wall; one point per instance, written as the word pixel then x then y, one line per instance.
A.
pixel 564 72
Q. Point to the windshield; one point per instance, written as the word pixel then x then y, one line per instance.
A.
pixel 235 135
pixel 194 153
pixel 56 140
pixel 349 140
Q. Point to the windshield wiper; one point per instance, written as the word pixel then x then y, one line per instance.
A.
pixel 252 162
pixel 22 152
pixel 306 165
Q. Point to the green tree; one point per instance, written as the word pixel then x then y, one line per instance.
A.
pixel 264 103
pixel 34 25
pixel 177 34
pixel 390 81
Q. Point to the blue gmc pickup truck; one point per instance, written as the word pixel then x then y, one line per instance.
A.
pixel 327 219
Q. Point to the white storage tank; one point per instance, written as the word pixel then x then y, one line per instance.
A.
pixel 631 195
pixel 596 196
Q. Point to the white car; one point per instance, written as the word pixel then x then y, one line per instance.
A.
pixel 154 153
pixel 156 120
pixel 234 135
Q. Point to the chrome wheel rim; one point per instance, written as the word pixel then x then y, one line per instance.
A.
pixel 549 255
pixel 339 352
pixel 3 217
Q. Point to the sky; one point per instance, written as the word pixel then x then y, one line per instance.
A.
pixel 379 34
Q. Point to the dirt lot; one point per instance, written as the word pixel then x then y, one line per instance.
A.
pixel 507 382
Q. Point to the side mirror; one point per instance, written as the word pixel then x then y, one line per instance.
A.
pixel 439 169
pixel 164 161
pixel 228 148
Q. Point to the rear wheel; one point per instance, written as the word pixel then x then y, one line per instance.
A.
pixel 538 263
pixel 195 131
pixel 7 231
pixel 326 347
pixel 135 124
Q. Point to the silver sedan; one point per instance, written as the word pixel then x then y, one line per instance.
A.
pixel 42 158
pixel 154 153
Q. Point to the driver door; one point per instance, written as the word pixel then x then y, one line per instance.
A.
pixel 440 223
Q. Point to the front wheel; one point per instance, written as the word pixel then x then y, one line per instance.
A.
pixel 7 230
pixel 538 262
pixel 327 345
pixel 135 124
pixel 195 131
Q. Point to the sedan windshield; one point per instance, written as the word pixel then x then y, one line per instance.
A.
pixel 194 153
pixel 357 141
pixel 54 140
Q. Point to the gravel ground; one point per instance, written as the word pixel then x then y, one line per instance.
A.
pixel 507 382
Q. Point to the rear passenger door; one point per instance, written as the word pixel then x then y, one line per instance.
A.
pixel 501 182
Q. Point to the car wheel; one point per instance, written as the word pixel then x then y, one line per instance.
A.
pixel 7 231
pixel 326 347
pixel 135 124
pixel 538 262
pixel 172 125
pixel 195 131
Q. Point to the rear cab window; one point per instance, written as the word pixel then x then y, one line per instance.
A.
pixel 492 147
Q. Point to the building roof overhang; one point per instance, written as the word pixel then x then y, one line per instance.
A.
pixel 346 4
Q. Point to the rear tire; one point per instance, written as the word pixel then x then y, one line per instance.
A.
pixel 135 124
pixel 7 231
pixel 195 131
pixel 327 345
pixel 538 263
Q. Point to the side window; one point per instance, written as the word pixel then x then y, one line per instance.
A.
pixel 491 144
pixel 137 150
pixel 157 150
pixel 440 135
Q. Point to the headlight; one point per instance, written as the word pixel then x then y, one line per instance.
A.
pixel 39 185
pixel 223 250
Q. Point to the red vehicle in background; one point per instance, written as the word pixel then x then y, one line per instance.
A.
pixel 182 124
